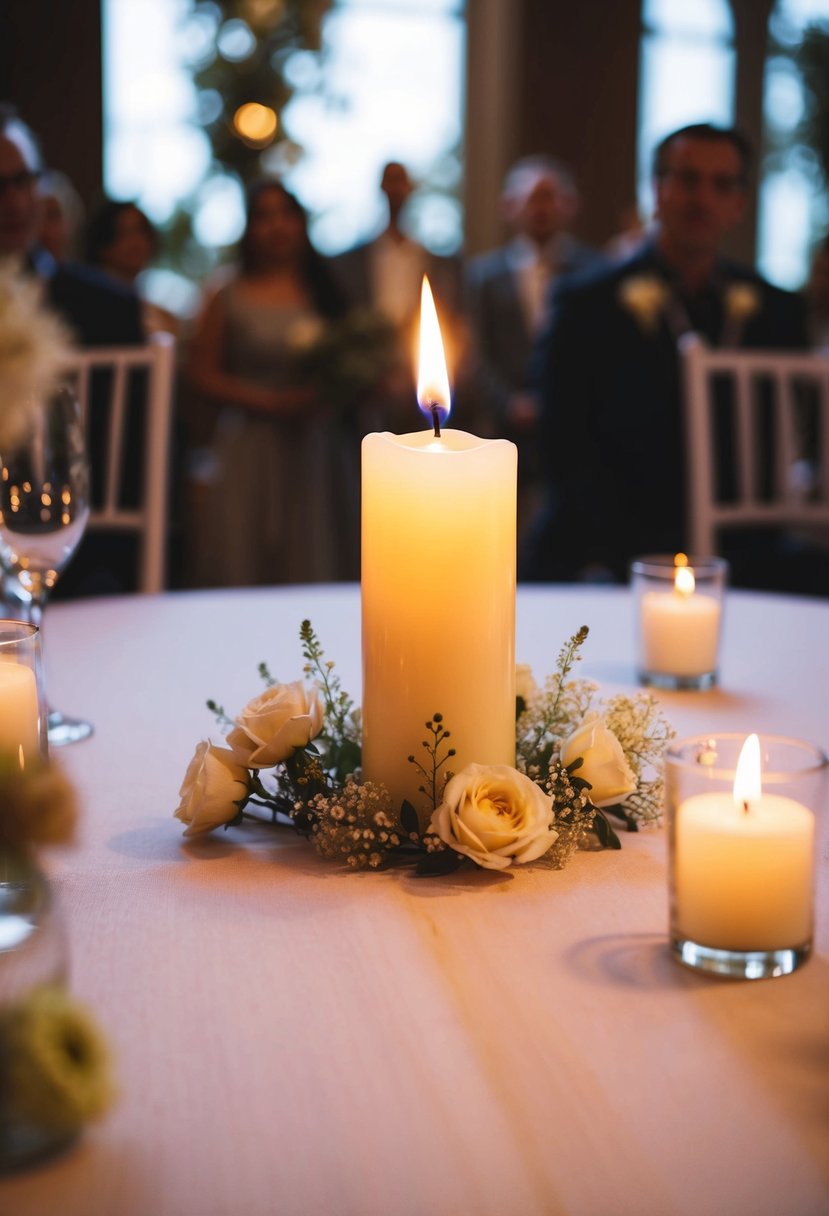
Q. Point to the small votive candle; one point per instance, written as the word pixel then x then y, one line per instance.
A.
pixel 678 612
pixel 22 713
pixel 741 817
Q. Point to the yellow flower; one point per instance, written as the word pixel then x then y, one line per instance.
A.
pixel 742 300
pixel 37 805
pixel 645 296
pixel 58 1063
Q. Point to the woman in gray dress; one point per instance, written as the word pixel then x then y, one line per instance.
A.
pixel 282 503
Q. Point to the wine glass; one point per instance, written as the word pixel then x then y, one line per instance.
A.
pixel 44 508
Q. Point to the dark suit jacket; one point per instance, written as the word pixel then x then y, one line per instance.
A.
pixel 501 334
pixel 99 311
pixel 612 435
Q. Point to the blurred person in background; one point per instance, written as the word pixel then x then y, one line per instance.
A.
pixel 121 241
pixel 507 291
pixel 610 375
pixel 279 494
pixel 61 216
pixel 98 312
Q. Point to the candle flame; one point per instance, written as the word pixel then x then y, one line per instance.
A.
pixel 432 376
pixel 684 581
pixel 747 780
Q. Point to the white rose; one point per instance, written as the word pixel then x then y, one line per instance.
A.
pixel 604 764
pixel 495 815
pixel 273 725
pixel 213 784
pixel 525 685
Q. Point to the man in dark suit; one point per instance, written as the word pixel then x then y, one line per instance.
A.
pixel 506 290
pixel 97 313
pixel 609 371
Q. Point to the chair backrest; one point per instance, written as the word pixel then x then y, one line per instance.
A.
pixel 120 370
pixel 773 409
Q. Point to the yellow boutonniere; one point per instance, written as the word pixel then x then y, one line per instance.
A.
pixel 645 296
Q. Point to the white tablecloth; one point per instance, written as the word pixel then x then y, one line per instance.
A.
pixel 293 1039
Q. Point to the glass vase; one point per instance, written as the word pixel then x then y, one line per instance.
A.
pixel 33 954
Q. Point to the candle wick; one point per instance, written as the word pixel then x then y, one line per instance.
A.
pixel 745 806
pixel 435 419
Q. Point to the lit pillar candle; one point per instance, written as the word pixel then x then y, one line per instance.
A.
pixel 680 628
pixel 743 865
pixel 19 712
pixel 438 588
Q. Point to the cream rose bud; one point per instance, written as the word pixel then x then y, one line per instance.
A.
pixel 604 764
pixel 273 725
pixel 495 815
pixel 213 784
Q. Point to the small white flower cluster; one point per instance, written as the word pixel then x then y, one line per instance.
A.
pixel 354 825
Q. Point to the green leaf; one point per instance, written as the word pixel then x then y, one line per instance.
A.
pixel 607 837
pixel 620 812
pixel 408 818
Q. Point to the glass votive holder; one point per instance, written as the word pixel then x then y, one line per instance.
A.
pixel 741 831
pixel 23 736
pixel 678 610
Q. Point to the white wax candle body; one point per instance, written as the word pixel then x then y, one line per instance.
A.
pixel 680 633
pixel 18 712
pixel 438 602
pixel 743 880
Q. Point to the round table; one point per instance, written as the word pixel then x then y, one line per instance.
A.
pixel 292 1038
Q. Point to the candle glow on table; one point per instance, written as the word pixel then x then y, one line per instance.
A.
pixel 19 712
pixel 743 865
pixel 438 588
pixel 681 627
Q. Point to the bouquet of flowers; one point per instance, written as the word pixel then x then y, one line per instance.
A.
pixel 33 348
pixel 292 757
pixel 347 360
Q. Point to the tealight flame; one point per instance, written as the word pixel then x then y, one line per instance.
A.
pixel 747 780
pixel 684 581
pixel 681 559
pixel 432 376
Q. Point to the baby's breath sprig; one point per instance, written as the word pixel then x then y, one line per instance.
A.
pixel 644 733
pixel 561 702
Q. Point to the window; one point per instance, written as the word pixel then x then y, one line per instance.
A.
pixel 793 204
pixel 387 83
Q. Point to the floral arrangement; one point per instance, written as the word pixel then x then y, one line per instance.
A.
pixel 292 757
pixel 345 360
pixel 33 348
pixel 55 1068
